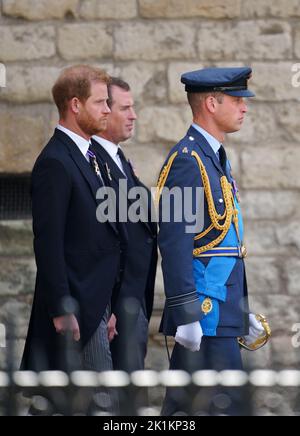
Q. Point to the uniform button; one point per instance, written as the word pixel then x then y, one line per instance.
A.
pixel 191 138
pixel 221 200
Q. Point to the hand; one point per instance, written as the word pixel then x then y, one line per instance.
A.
pixel 67 323
pixel 189 336
pixel 111 327
pixel 255 330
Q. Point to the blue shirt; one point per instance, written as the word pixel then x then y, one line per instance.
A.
pixel 213 142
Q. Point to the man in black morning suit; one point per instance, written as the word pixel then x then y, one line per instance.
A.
pixel 129 345
pixel 76 255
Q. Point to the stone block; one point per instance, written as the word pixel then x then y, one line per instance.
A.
pixel 215 9
pixel 23 43
pixel 147 81
pixel 147 160
pixel 292 275
pixel 107 9
pixel 84 41
pixel 167 124
pixel 40 10
pixel 263 240
pixel 154 41
pixel 19 147
pixel 17 276
pixel 16 238
pixel 176 89
pixel 244 40
pixel 287 117
pixel 276 205
pixel 15 316
pixel 263 275
pixel 280 88
pixel 271 8
pixel 271 168
pixel 29 84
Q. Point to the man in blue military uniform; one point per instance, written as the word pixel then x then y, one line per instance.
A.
pixel 206 306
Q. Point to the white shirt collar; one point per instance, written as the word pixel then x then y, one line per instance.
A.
pixel 82 143
pixel 110 147
pixel 213 142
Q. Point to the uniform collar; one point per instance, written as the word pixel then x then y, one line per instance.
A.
pixel 213 142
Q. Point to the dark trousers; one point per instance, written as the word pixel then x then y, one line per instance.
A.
pixel 216 353
pixel 129 348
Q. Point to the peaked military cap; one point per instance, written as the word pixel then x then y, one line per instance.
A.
pixel 231 81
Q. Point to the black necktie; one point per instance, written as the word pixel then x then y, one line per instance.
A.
pixel 223 158
pixel 127 169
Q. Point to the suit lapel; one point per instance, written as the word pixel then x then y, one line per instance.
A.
pixel 92 180
pixel 117 175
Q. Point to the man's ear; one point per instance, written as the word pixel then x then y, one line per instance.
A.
pixel 211 104
pixel 75 105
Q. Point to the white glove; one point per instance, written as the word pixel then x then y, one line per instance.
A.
pixel 255 330
pixel 189 336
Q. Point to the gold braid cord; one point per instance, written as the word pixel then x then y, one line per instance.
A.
pixel 231 213
pixel 163 177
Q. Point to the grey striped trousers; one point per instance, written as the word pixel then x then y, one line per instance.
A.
pixel 96 356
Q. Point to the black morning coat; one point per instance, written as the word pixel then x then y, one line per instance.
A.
pixel 76 255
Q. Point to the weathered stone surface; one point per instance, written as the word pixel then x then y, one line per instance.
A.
pixel 271 8
pixel 276 205
pixel 282 311
pixel 292 272
pixel 17 347
pixel 22 43
pixel 289 235
pixel 177 92
pixel 263 276
pixel 241 40
pixel 107 9
pixel 189 8
pixel 16 238
pixel 279 88
pixel 147 81
pixel 259 127
pixel 17 276
pixel 168 124
pixel 29 84
pixel 271 168
pixel 260 359
pixel 262 239
pixel 147 160
pixel 287 116
pixel 19 147
pixel 154 41
pixel 15 313
pixel 39 10
pixel 233 156
pixel 297 43
pixel 84 41
pixel 283 353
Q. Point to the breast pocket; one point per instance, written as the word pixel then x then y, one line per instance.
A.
pixel 219 201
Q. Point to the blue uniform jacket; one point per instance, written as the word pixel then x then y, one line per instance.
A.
pixel 188 280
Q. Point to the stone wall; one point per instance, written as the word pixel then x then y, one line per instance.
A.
pixel 150 43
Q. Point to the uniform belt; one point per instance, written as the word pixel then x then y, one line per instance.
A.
pixel 224 251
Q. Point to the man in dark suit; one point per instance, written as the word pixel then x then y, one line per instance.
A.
pixel 77 257
pixel 206 306
pixel 133 306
